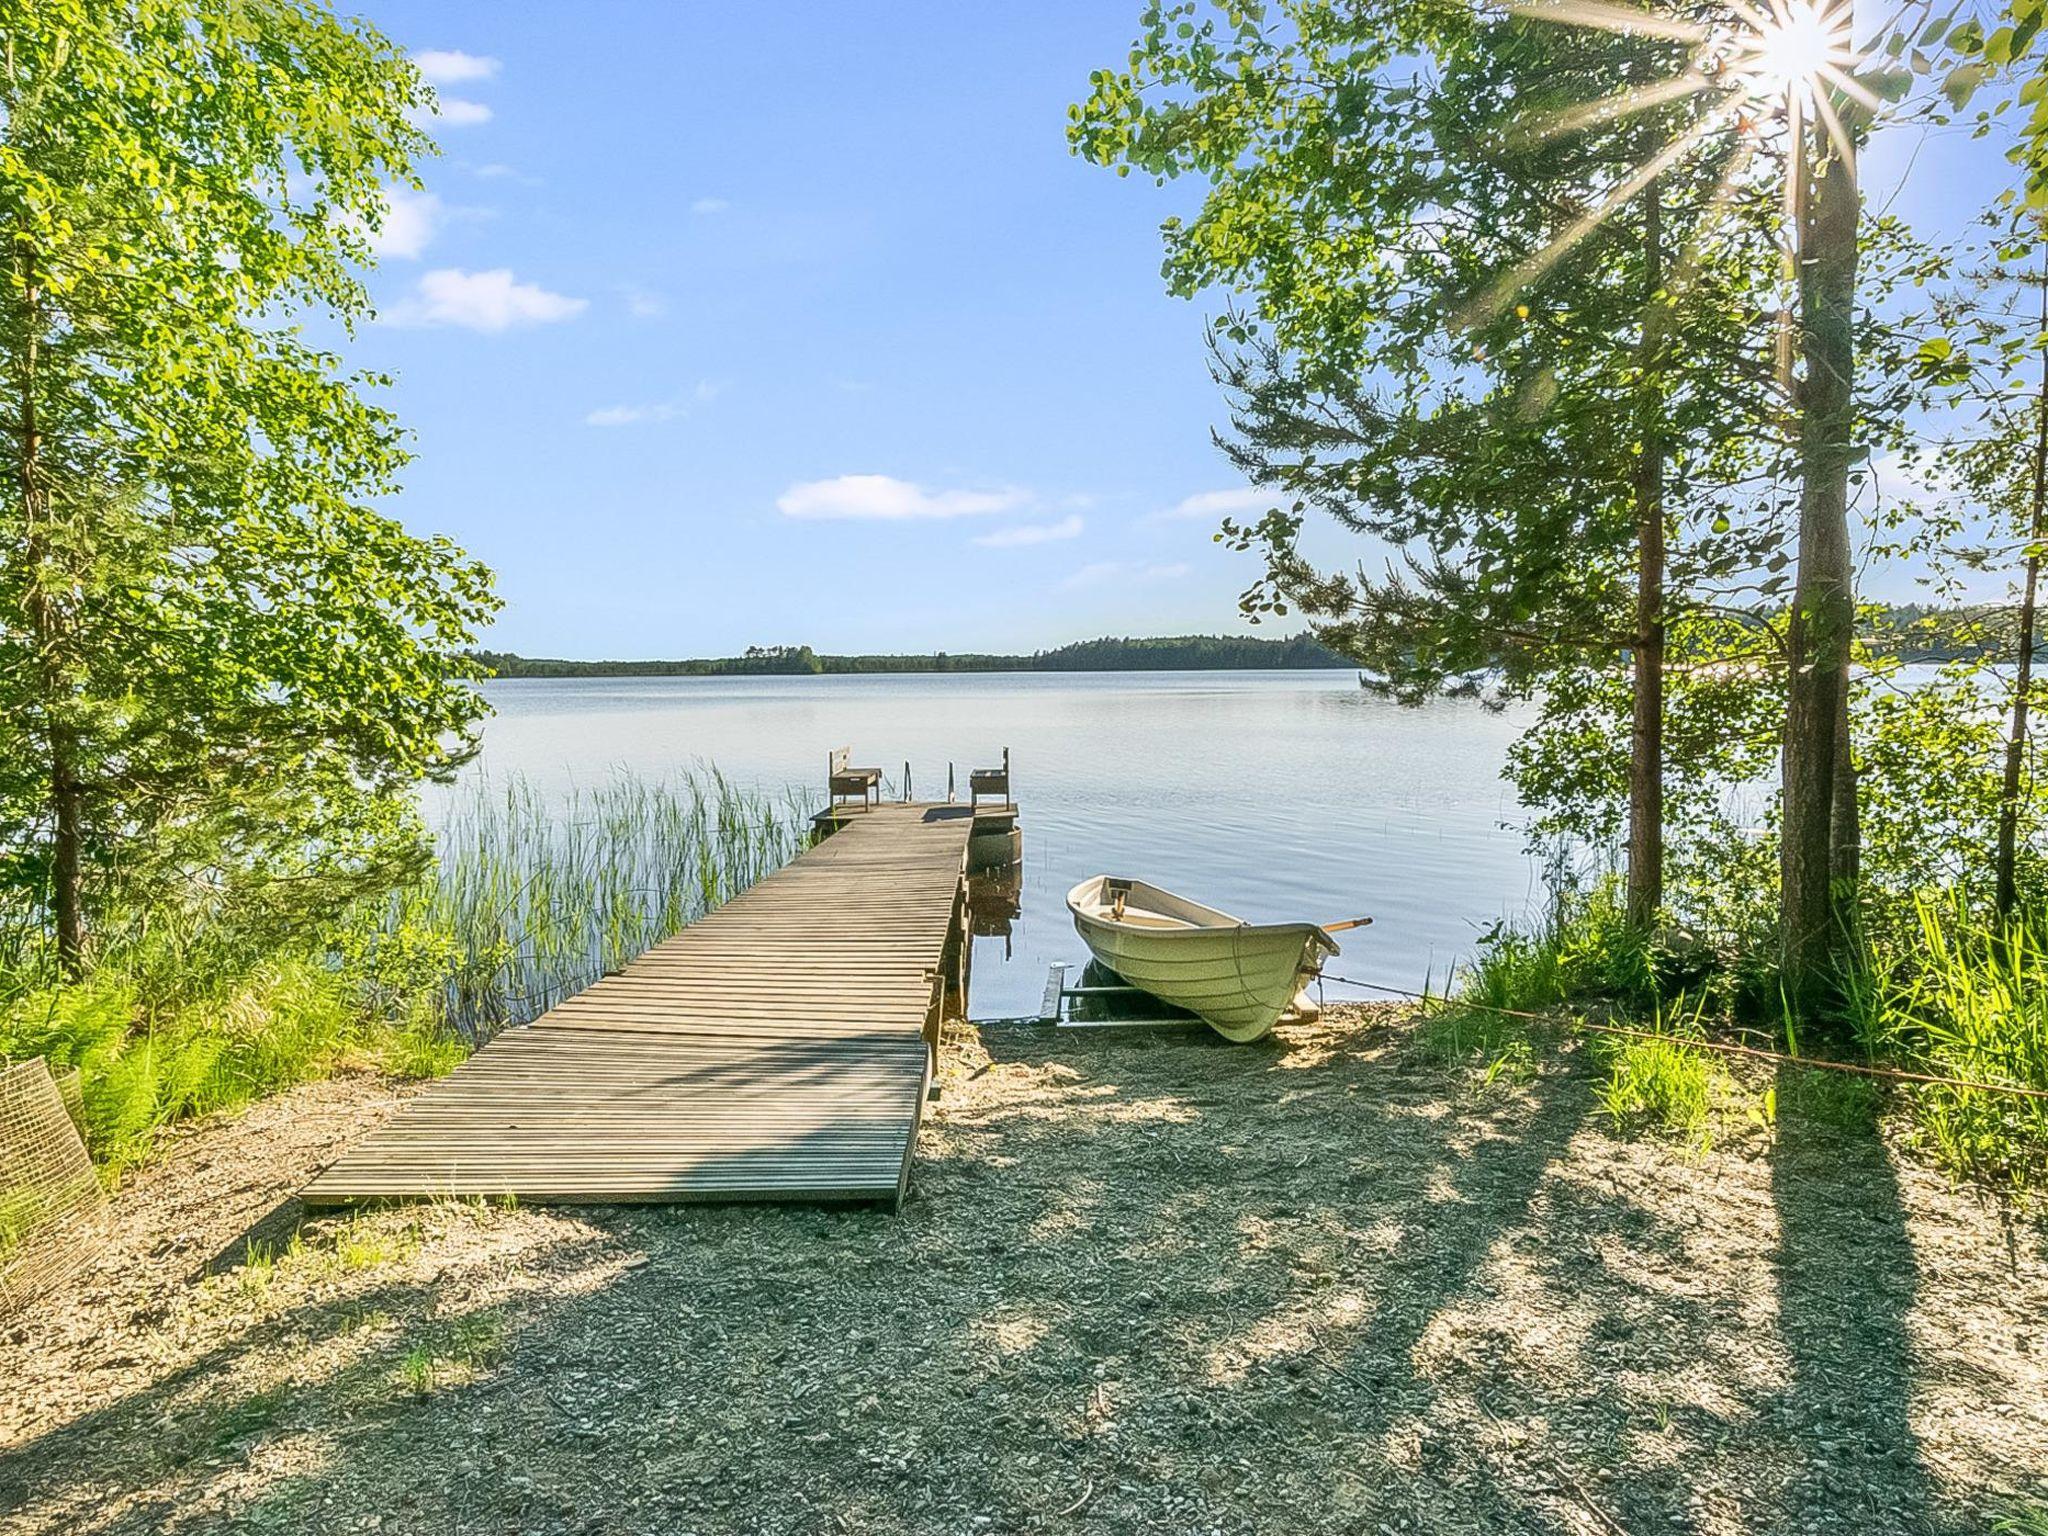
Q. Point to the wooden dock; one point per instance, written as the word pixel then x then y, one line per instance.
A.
pixel 779 1048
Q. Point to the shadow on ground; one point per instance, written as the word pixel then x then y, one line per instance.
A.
pixel 1145 1282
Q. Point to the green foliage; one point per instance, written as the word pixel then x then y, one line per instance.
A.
pixel 1839 1101
pixel 225 1043
pixel 1457 1032
pixel 1930 759
pixel 2021 1517
pixel 1723 711
pixel 220 666
pixel 1945 993
pixel 1583 949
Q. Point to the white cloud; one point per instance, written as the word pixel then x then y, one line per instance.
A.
pixel 1031 533
pixel 410 221
pixel 644 303
pixel 1214 504
pixel 1894 481
pixel 659 410
pixel 449 66
pixel 705 205
pixel 885 498
pixel 497 170
pixel 460 112
pixel 634 415
pixel 1123 571
pixel 482 301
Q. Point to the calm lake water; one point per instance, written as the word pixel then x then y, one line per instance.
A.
pixel 1273 795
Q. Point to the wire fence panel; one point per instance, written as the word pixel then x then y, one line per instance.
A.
pixel 50 1197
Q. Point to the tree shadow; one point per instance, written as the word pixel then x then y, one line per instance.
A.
pixel 1149 1283
pixel 1847 1279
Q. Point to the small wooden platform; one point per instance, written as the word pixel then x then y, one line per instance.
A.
pixel 779 1048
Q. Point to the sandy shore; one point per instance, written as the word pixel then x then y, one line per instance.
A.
pixel 1145 1282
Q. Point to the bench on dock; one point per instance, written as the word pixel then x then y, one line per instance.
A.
pixel 844 781
pixel 990 781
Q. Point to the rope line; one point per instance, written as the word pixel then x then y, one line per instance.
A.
pixel 1818 1063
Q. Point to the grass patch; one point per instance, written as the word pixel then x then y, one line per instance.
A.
pixel 368 1243
pixel 1505 1053
pixel 452 1354
pixel 2022 1517
pixel 1839 1101
pixel 1962 999
pixel 1661 1085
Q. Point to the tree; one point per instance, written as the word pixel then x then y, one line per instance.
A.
pixel 1990 338
pixel 2034 520
pixel 222 668
pixel 1818 832
pixel 1522 344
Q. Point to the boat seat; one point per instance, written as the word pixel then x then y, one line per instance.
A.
pixel 845 781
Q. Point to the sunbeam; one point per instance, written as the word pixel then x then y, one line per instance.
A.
pixel 1787 60
pixel 1502 292
pixel 1612 109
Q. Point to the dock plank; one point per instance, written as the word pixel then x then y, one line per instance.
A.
pixel 773 1050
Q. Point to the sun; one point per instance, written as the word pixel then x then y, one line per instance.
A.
pixel 1795 50
pixel 1770 71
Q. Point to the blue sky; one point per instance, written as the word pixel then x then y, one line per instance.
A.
pixel 724 325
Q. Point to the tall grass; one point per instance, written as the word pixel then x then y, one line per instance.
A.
pixel 1964 999
pixel 1944 992
pixel 533 898
pixel 528 900
pixel 1584 947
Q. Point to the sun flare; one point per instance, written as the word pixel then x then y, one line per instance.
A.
pixel 1794 51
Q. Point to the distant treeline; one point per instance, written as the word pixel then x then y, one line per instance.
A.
pixel 1920 632
pixel 1166 653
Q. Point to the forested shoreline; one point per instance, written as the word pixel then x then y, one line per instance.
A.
pixel 1908 632
pixel 1164 653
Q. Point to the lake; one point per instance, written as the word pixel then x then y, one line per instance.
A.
pixel 1273 795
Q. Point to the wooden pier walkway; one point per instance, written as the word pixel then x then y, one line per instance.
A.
pixel 779 1048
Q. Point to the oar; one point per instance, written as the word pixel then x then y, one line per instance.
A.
pixel 1349 922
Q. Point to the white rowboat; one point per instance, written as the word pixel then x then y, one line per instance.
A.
pixel 1239 977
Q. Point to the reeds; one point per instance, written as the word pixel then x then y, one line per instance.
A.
pixel 531 899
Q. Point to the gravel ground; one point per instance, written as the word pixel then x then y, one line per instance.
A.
pixel 1145 1282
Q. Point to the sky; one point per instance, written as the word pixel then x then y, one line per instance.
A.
pixel 780 323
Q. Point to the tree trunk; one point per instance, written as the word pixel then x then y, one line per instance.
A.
pixel 1819 805
pixel 67 834
pixel 1646 738
pixel 2007 896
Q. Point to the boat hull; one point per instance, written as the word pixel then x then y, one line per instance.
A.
pixel 1239 977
